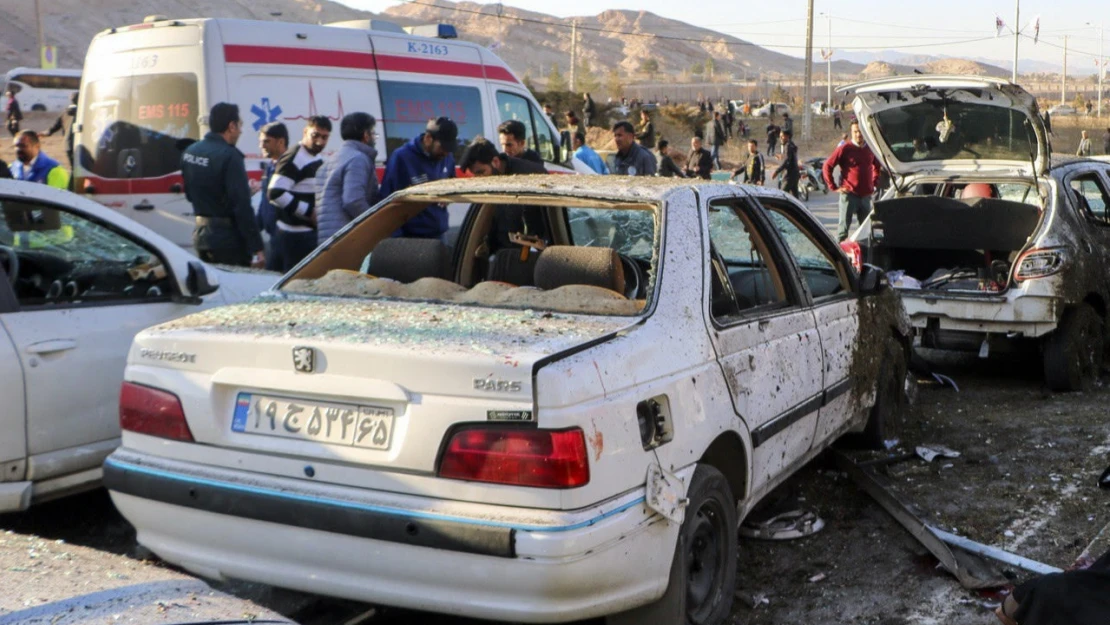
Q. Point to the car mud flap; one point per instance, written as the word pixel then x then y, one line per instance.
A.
pixel 666 494
pixel 972 571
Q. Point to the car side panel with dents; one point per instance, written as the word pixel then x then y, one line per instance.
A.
pixel 13 415
pixel 668 354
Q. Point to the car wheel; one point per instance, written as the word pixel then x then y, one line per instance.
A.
pixel 890 398
pixel 1073 353
pixel 38 107
pixel 703 570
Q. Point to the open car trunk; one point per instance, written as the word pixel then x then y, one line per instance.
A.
pixel 939 244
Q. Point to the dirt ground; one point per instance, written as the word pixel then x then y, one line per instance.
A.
pixel 1025 482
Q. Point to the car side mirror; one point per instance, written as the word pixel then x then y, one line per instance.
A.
pixel 197 280
pixel 872 279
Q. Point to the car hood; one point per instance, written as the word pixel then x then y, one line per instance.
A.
pixel 921 124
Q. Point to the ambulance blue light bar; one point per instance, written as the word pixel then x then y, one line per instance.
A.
pixel 435 31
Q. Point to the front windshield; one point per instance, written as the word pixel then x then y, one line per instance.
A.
pixel 934 130
pixel 551 253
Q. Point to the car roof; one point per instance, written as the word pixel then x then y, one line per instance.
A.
pixel 621 188
pixel 1063 160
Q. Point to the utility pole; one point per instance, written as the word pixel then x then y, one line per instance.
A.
pixel 807 116
pixel 1064 76
pixel 1017 36
pixel 573 56
pixel 1101 70
pixel 38 22
pixel 828 59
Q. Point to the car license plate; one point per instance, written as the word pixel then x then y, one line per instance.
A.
pixel 325 422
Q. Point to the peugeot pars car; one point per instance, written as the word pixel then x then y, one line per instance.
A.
pixel 563 415
pixel 991 241
pixel 77 281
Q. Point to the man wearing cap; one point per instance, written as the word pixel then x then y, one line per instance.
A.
pixel 428 156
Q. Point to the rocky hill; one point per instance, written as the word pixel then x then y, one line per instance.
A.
pixel 531 42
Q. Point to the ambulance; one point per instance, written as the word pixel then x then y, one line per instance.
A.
pixel 147 88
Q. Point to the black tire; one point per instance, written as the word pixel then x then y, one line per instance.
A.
pixel 38 107
pixel 703 570
pixel 1073 354
pixel 890 398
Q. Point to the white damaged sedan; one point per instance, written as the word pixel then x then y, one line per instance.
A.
pixel 77 281
pixel 562 415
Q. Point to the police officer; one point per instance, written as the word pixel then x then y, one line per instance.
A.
pixel 216 185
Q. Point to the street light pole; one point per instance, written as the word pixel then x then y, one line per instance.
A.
pixel 1017 36
pixel 828 98
pixel 38 22
pixel 807 117
pixel 1064 76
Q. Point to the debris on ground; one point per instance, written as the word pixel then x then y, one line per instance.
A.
pixel 929 452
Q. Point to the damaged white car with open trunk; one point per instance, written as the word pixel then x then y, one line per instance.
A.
pixel 992 242
pixel 563 415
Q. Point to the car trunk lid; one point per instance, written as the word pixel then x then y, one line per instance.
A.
pixel 370 383
pixel 920 124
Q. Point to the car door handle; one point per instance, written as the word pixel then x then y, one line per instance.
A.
pixel 763 323
pixel 145 205
pixel 51 346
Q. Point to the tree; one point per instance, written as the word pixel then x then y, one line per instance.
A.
pixel 613 84
pixel 710 66
pixel 778 94
pixel 586 81
pixel 555 79
pixel 697 69
pixel 527 81
pixel 649 66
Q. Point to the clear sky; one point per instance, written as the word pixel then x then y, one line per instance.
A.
pixel 938 27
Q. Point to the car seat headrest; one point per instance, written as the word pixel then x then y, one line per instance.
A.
pixel 408 260
pixel 562 265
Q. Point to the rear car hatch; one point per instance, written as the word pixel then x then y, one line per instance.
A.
pixel 368 383
pixel 956 124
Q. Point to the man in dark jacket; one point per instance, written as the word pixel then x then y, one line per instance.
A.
pixel 789 166
pixel 293 192
pixel 428 156
pixel 631 159
pixel 753 170
pixel 514 141
pixel 14 114
pixel 60 126
pixel 700 162
pixel 646 136
pixel 667 166
pixel 481 159
pixel 216 185
pixel 772 137
pixel 589 109
pixel 347 183
pixel 717 137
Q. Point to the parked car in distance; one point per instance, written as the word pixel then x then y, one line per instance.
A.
pixel 1062 109
pixel 546 413
pixel 779 109
pixel 993 244
pixel 77 281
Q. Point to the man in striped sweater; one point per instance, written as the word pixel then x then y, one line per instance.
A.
pixel 292 191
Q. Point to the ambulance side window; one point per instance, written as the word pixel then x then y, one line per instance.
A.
pixel 512 106
pixel 407 107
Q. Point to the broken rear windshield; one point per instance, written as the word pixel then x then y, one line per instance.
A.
pixel 931 131
pixel 546 253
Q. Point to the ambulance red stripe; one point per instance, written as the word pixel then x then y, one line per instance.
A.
pixel 273 55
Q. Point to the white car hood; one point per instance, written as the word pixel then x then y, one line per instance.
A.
pixel 995 127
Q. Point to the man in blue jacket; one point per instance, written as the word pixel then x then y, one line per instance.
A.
pixel 428 156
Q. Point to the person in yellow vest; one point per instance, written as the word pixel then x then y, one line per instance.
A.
pixel 33 165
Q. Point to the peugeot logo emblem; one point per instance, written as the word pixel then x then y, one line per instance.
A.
pixel 304 359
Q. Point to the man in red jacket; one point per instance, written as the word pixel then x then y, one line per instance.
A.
pixel 859 172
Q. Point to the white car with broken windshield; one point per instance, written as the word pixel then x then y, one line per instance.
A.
pixel 992 243
pixel 562 415
pixel 77 282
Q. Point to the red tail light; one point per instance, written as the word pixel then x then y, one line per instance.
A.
pixel 854 253
pixel 152 411
pixel 540 458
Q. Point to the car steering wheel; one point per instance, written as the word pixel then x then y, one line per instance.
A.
pixel 11 263
pixel 633 276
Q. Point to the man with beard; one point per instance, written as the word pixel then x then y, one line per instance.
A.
pixel 292 191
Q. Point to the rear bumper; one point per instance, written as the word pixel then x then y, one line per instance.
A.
pixel 1011 313
pixel 346 543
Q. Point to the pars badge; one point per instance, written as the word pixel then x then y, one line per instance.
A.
pixel 304 359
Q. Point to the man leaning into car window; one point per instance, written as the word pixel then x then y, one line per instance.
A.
pixel 482 159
